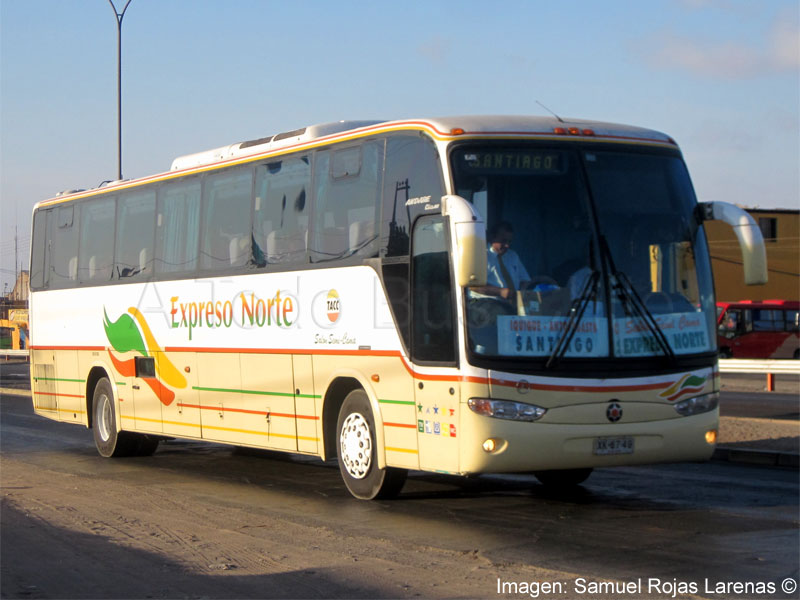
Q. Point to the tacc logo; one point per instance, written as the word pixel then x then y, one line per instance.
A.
pixel 333 306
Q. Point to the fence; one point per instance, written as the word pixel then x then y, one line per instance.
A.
pixel 769 367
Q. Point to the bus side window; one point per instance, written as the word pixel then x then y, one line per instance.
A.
pixel 39 246
pixel 746 325
pixel 432 295
pixel 767 320
pixel 177 227
pixel 280 211
pixel 731 322
pixel 792 320
pixel 61 259
pixel 96 257
pixel 134 245
pixel 412 171
pixel 347 185
pixel 227 228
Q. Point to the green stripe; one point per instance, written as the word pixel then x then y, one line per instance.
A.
pixel 58 379
pixel 408 402
pixel 257 392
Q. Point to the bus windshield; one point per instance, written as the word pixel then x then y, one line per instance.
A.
pixel 592 253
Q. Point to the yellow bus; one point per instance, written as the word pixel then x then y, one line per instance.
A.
pixel 456 295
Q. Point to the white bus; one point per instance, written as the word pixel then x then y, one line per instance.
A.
pixel 331 291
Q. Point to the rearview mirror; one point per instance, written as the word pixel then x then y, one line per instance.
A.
pixel 468 232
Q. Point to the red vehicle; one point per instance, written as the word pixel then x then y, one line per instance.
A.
pixel 759 329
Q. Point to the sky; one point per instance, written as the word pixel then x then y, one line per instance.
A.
pixel 722 77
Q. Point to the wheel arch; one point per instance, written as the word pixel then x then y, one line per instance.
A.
pixel 336 391
pixel 96 373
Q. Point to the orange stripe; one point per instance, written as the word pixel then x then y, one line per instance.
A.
pixel 400 425
pixel 61 395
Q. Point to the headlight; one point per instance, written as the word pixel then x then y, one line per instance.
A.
pixel 506 409
pixel 699 404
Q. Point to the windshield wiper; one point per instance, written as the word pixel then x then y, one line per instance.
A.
pixel 633 306
pixel 588 293
pixel 632 303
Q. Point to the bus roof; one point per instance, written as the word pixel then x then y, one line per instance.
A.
pixel 441 128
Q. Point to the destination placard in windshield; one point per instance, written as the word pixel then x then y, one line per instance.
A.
pixel 539 335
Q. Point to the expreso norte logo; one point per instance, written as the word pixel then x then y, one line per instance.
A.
pixel 245 310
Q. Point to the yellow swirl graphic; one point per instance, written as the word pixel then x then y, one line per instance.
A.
pixel 166 370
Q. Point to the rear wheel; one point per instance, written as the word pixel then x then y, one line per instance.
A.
pixel 357 452
pixel 563 478
pixel 110 442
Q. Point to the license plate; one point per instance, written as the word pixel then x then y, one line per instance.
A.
pixel 613 445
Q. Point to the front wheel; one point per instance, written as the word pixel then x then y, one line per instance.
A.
pixel 357 452
pixel 563 478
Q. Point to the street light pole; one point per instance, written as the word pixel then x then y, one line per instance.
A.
pixel 119 16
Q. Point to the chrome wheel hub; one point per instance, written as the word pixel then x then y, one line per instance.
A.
pixel 103 418
pixel 356 446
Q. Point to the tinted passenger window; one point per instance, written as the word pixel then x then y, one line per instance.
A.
pixel 346 199
pixel 792 320
pixel 280 211
pixel 412 171
pixel 64 247
pixel 38 246
pixel 96 260
pixel 134 249
pixel 433 329
pixel 226 217
pixel 178 227
pixel 767 320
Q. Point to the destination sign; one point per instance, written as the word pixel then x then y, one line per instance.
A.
pixel 512 161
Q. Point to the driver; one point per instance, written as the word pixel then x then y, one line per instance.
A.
pixel 506 273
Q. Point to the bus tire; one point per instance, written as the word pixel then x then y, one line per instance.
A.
pixel 563 478
pixel 358 455
pixel 110 443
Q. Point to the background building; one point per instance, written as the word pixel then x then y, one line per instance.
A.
pixel 781 231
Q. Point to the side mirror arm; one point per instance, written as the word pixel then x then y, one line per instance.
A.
pixel 751 242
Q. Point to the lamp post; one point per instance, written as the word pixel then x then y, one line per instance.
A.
pixel 119 16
